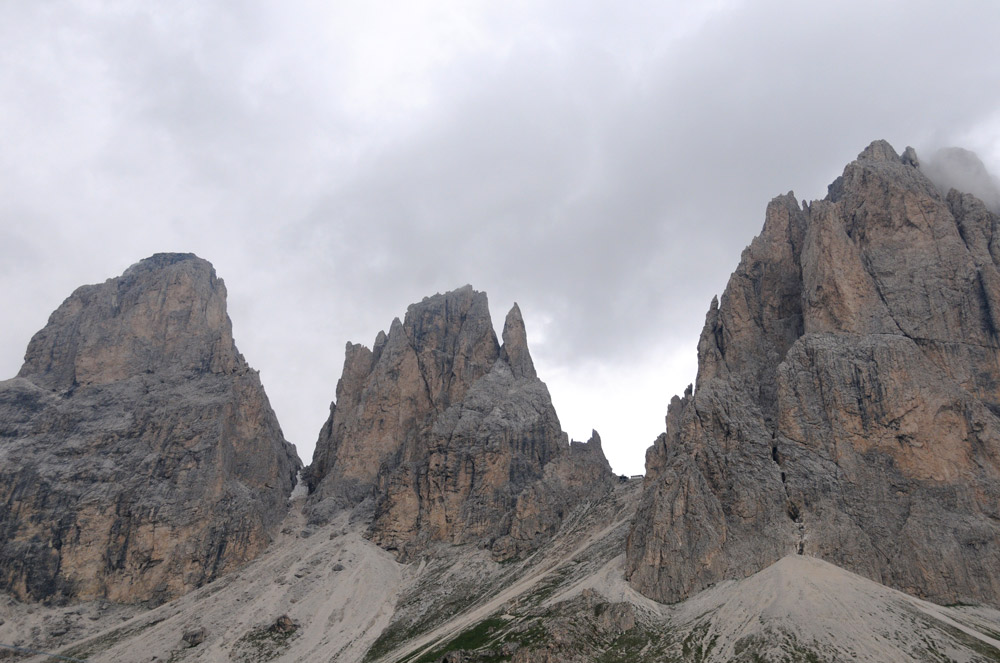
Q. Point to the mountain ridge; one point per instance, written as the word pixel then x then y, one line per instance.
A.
pixel 451 434
pixel 843 429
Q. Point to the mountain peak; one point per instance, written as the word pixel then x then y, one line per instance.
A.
pixel 879 150
pixel 158 465
pixel 449 433
pixel 847 381
pixel 165 313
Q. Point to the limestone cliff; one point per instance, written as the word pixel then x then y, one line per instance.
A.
pixel 452 434
pixel 139 456
pixel 847 399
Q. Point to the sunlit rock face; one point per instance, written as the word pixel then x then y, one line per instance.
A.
pixel 139 456
pixel 452 435
pixel 847 399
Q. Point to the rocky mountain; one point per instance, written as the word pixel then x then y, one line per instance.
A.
pixel 847 404
pixel 836 465
pixel 451 434
pixel 139 456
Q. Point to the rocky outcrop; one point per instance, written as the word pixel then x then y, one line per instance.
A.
pixel 389 393
pixel 139 456
pixel 847 400
pixel 452 434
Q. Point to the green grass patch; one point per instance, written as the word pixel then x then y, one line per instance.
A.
pixel 463 593
pixel 477 637
pixel 697 645
pixel 637 644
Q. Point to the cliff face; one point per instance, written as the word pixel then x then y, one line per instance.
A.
pixel 139 456
pixel 847 399
pixel 388 393
pixel 453 434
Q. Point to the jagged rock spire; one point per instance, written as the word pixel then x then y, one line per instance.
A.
pixel 515 345
pixel 424 364
pixel 452 435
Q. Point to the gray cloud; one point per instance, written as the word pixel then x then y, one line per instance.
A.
pixel 604 167
pixel 957 168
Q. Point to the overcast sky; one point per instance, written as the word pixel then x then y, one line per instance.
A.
pixel 601 164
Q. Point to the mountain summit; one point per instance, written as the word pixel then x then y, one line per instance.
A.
pixel 452 435
pixel 847 403
pixel 139 456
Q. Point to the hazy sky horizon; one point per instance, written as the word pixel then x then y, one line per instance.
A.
pixel 603 166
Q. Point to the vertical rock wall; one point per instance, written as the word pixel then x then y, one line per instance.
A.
pixel 139 456
pixel 847 399
pixel 451 434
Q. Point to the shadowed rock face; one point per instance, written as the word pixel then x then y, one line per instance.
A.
pixel 139 456
pixel 847 398
pixel 453 435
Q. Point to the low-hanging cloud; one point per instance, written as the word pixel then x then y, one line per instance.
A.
pixel 958 168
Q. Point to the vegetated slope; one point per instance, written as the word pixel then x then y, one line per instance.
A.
pixel 847 403
pixel 139 456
